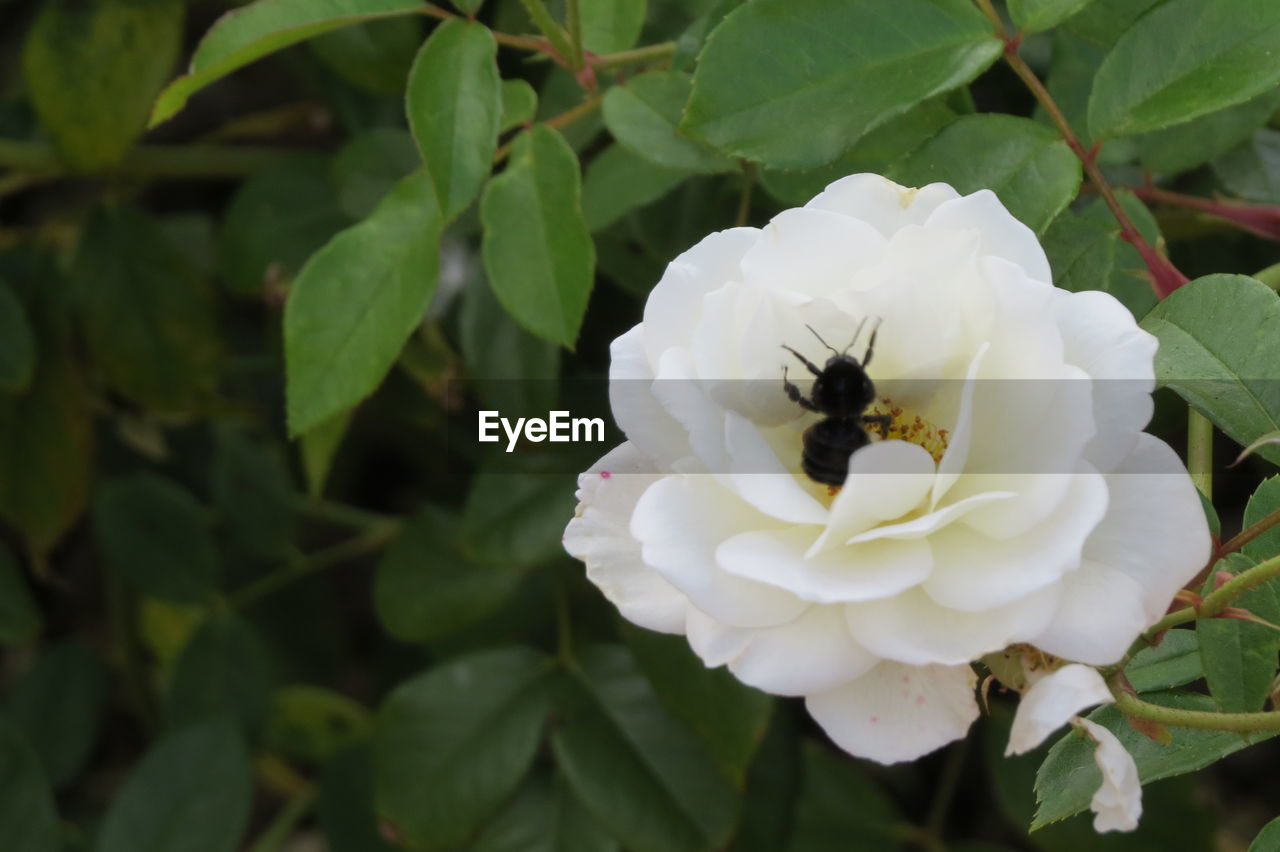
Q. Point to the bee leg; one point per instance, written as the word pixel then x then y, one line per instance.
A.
pixel 813 368
pixel 884 421
pixel 795 394
pixel 871 346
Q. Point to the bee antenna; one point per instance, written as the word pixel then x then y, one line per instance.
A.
pixel 823 342
pixel 856 334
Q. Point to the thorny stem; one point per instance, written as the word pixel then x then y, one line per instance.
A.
pixel 564 119
pixel 1218 600
pixel 573 21
pixel 373 539
pixel 1165 277
pixel 1247 535
pixel 1260 219
pixel 744 200
pixel 551 30
pixel 1208 720
pixel 1200 452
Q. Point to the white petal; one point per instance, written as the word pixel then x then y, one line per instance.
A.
pixel 1099 617
pixel 810 252
pixel 812 654
pixel 880 202
pixel 957 452
pixel 1051 702
pixel 687 400
pixel 1155 529
pixel 1118 803
pixel 1002 234
pixel 935 520
pixel 912 628
pixel 895 713
pixel 674 304
pixel 1099 336
pixel 679 522
pixel 887 480
pixel 600 536
pixel 760 477
pixel 870 571
pixel 975 572
pixel 648 426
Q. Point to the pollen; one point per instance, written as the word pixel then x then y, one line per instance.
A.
pixel 911 427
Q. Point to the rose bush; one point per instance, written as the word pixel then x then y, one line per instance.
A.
pixel 1015 502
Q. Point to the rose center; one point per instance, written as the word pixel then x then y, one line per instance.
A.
pixel 911 427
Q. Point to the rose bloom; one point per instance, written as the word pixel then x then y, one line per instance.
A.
pixel 1015 500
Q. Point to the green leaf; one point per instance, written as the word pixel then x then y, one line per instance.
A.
pixel 20 618
pixel 826 821
pixel 454 105
pixel 1219 344
pixel 374 55
pixel 1103 23
pixel 28 820
pixel 618 181
pixel 221 672
pixel 874 152
pixel 254 496
pixel 773 786
pixel 793 83
pixel 17 343
pixel 92 68
pixel 46 449
pixel 370 165
pixel 147 316
pixel 1186 146
pixel 275 221
pixel 468 7
pixel 516 519
pixel 727 717
pixel 609 26
pixel 537 249
pixel 1226 56
pixel 1263 502
pixel 357 301
pixel 1027 165
pixel 511 369
pixel 243 35
pixel 519 103
pixel 311 723
pixel 156 535
pixel 1251 170
pixel 425 588
pixel 190 793
pixel 642 774
pixel 643 115
pixel 475 721
pixel 1068 778
pixel 1174 662
pixel 1086 252
pixel 1240 657
pixel 344 806
pixel 1268 840
pixel 1033 16
pixel 58 706
pixel 544 816
pixel 318 446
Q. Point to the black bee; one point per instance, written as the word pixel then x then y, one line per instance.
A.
pixel 842 390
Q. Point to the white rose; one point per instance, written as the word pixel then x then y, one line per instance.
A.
pixel 1033 511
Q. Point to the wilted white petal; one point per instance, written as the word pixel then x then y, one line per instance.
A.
pixel 1118 803
pixel 1051 702
pixel 895 712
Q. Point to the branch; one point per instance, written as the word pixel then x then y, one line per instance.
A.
pixel 1260 219
pixel 1165 277
pixel 1216 602
pixel 1207 720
